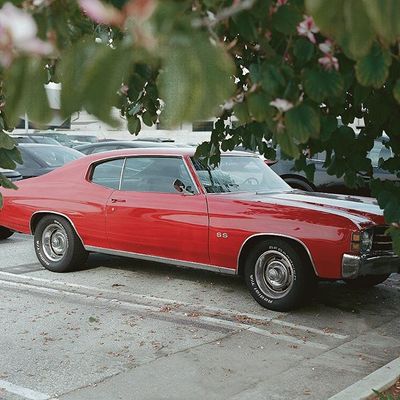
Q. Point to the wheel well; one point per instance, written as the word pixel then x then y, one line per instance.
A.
pixel 298 178
pixel 38 216
pixel 306 258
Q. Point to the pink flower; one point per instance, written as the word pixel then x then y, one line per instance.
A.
pixel 326 47
pixel 18 32
pixel 329 62
pixel 102 13
pixel 282 104
pixel 307 28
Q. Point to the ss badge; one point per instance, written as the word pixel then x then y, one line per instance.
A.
pixel 223 235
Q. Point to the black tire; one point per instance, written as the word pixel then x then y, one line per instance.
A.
pixel 363 282
pixel 57 246
pixel 5 233
pixel 291 279
pixel 299 184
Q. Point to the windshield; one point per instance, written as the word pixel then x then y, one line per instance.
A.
pixel 54 156
pixel 239 174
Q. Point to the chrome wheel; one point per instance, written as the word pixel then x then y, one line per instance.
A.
pixel 274 274
pixel 54 242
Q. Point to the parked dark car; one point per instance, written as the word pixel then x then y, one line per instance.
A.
pixel 323 182
pixel 40 159
pixel 63 138
pixel 155 139
pixel 11 175
pixel 33 138
pixel 100 147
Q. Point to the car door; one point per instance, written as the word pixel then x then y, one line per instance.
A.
pixel 149 216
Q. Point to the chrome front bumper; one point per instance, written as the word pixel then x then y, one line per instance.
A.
pixel 354 266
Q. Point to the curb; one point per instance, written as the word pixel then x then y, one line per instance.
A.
pixel 379 380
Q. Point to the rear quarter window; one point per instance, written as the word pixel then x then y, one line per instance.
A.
pixel 108 173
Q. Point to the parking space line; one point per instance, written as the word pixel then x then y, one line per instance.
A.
pixel 231 313
pixel 211 320
pixel 22 391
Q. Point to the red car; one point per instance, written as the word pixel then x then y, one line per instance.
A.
pixel 238 218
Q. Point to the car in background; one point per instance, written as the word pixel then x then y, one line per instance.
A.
pixel 63 138
pixel 83 138
pixel 32 138
pixel 323 182
pixel 156 139
pixel 101 147
pixel 237 218
pixel 11 174
pixel 39 159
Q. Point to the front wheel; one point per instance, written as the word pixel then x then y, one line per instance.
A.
pixel 363 282
pixel 5 233
pixel 277 277
pixel 57 245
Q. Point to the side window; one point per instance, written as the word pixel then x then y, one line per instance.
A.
pixel 155 174
pixel 108 173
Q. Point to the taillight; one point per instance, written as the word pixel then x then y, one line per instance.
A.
pixel 270 162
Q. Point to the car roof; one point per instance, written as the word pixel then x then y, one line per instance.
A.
pixel 133 143
pixel 153 151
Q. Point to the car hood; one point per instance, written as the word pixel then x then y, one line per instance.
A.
pixel 363 211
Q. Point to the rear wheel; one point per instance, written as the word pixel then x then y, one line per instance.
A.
pixel 5 233
pixel 277 276
pixel 363 282
pixel 57 245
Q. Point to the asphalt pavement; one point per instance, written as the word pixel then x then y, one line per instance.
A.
pixel 127 329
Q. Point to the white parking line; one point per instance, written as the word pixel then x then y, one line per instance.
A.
pixel 208 309
pixel 22 391
pixel 212 320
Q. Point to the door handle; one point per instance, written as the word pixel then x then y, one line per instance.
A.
pixel 118 201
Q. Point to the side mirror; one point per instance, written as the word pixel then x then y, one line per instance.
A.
pixel 181 188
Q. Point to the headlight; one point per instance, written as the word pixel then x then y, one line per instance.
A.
pixel 361 242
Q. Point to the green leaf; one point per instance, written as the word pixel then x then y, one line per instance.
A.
pixel 6 183
pixel 359 35
pixel 196 80
pixel 91 76
pixel 303 50
pixel 6 160
pixel 321 85
pixel 302 122
pixel 328 125
pixel 327 16
pixel 396 91
pixel 6 142
pixel 259 107
pixel 286 19
pixel 272 80
pixel 245 25
pixel 373 69
pixel 147 118
pixel 25 92
pixel 385 16
pixel 134 125
pixel 241 111
pixel 287 144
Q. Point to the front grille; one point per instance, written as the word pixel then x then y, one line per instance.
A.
pixel 382 242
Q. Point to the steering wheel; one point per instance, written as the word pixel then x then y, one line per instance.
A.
pixel 251 181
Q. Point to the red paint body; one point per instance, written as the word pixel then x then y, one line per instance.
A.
pixel 207 229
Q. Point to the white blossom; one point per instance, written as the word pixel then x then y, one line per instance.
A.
pixel 282 105
pixel 18 32
pixel 307 28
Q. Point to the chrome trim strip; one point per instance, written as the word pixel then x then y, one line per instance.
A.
pixel 278 235
pixel 164 260
pixel 122 174
pixel 56 213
